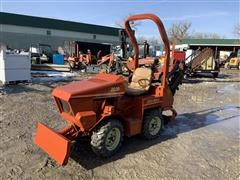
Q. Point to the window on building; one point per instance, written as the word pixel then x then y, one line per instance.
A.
pixel 48 32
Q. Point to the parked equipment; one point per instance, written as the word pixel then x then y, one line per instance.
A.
pixel 233 61
pixel 41 53
pixel 82 55
pixel 43 58
pixel 202 61
pixel 108 107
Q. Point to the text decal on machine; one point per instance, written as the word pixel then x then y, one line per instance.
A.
pixel 115 89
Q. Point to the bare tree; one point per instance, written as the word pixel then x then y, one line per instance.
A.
pixel 132 23
pixel 141 39
pixel 204 35
pixel 155 40
pixel 179 31
pixel 236 30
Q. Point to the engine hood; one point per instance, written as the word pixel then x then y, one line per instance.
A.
pixel 100 85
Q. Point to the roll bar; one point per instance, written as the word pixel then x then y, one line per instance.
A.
pixel 163 35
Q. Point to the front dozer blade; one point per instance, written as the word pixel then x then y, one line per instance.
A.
pixel 56 145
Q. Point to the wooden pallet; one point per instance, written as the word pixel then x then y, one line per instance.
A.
pixel 16 82
pixel 51 67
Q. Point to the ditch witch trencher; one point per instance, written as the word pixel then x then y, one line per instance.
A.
pixel 108 107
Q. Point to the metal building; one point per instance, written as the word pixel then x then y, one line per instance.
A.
pixel 20 31
pixel 215 44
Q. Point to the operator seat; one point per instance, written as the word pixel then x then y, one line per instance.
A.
pixel 141 81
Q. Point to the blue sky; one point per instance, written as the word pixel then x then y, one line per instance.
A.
pixel 213 16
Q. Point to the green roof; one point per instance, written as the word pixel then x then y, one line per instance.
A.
pixel 39 22
pixel 228 42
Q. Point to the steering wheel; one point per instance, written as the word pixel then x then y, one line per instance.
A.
pixel 144 82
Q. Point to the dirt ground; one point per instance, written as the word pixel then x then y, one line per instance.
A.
pixel 203 143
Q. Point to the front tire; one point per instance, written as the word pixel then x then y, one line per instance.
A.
pixel 152 123
pixel 107 139
pixel 226 66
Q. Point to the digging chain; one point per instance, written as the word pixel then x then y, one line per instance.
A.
pixel 201 58
pixel 175 77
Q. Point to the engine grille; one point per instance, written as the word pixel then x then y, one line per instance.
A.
pixel 65 106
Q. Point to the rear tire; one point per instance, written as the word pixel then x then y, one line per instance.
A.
pixel 104 68
pixel 107 139
pixel 152 123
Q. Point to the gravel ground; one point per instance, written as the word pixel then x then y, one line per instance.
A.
pixel 203 143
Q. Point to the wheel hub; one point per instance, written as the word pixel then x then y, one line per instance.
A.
pixel 113 139
pixel 154 126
